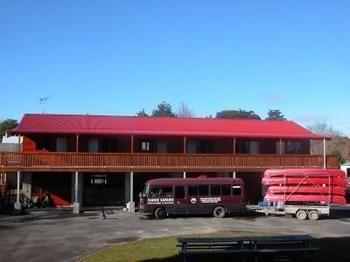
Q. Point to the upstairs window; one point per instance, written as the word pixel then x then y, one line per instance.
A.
pixel 293 147
pixel 146 146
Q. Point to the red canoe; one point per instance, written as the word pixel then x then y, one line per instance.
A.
pixel 303 181
pixel 305 198
pixel 304 172
pixel 333 190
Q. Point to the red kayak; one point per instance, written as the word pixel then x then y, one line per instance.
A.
pixel 280 181
pixel 305 198
pixel 333 190
pixel 304 172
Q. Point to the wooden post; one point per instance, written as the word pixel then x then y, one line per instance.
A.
pixel 234 145
pixel 18 203
pixel 77 143
pixel 19 143
pixel 76 204
pixel 132 144
pixel 131 203
pixel 185 145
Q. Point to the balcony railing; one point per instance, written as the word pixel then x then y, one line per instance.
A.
pixel 153 162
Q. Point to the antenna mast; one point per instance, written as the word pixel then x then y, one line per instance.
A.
pixel 42 101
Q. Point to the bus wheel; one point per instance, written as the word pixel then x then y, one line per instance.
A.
pixel 301 215
pixel 159 213
pixel 313 215
pixel 219 212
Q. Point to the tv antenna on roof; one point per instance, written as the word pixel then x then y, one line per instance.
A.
pixel 42 100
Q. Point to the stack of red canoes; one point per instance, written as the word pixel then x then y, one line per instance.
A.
pixel 305 185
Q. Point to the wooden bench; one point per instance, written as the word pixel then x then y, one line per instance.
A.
pixel 244 247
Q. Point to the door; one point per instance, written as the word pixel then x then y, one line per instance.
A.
pixel 180 202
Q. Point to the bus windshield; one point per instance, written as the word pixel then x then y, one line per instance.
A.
pixel 146 190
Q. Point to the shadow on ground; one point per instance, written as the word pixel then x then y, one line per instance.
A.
pixel 330 249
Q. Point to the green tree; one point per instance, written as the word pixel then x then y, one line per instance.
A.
pixel 237 114
pixel 163 109
pixel 7 125
pixel 142 112
pixel 275 115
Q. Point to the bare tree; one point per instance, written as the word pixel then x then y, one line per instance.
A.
pixel 184 111
pixel 338 145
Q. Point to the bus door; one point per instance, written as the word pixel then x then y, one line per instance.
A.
pixel 181 204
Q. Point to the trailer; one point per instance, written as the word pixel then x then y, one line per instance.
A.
pixel 304 193
pixel 302 212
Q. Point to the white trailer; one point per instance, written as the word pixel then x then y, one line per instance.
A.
pixel 302 212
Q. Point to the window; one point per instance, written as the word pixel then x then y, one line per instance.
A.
pixel 293 147
pixel 108 145
pixel 206 146
pixel 215 190
pixel 225 190
pixel 192 190
pixel 161 191
pixel 236 190
pixel 203 190
pixel 145 146
pixel 179 192
pixel 254 147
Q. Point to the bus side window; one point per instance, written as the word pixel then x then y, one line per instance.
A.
pixel 192 190
pixel 236 190
pixel 179 192
pixel 215 190
pixel 166 191
pixel 161 191
pixel 225 190
pixel 203 190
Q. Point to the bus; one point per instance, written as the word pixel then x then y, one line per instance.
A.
pixel 163 197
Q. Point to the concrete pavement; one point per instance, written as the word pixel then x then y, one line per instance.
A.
pixel 59 236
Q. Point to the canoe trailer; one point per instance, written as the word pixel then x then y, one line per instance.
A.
pixel 302 212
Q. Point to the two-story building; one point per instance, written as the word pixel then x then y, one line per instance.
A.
pixel 99 160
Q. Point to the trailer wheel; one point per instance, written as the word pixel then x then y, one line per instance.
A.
pixel 160 213
pixel 219 212
pixel 314 215
pixel 301 215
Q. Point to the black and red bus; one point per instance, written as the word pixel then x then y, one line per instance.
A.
pixel 192 196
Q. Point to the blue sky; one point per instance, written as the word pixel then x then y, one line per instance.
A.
pixel 116 57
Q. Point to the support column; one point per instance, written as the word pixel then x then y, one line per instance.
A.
pixel 131 203
pixel 185 145
pixel 18 203
pixel 184 174
pixel 77 143
pixel 324 154
pixel 76 204
pixel 234 174
pixel 132 144
pixel 234 145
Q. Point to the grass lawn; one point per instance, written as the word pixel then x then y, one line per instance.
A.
pixel 164 249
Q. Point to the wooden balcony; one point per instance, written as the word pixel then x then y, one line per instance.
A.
pixel 151 162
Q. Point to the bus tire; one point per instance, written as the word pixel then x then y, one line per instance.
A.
pixel 219 212
pixel 159 213
pixel 301 214
pixel 314 215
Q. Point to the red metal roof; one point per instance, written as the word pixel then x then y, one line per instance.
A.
pixel 161 126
